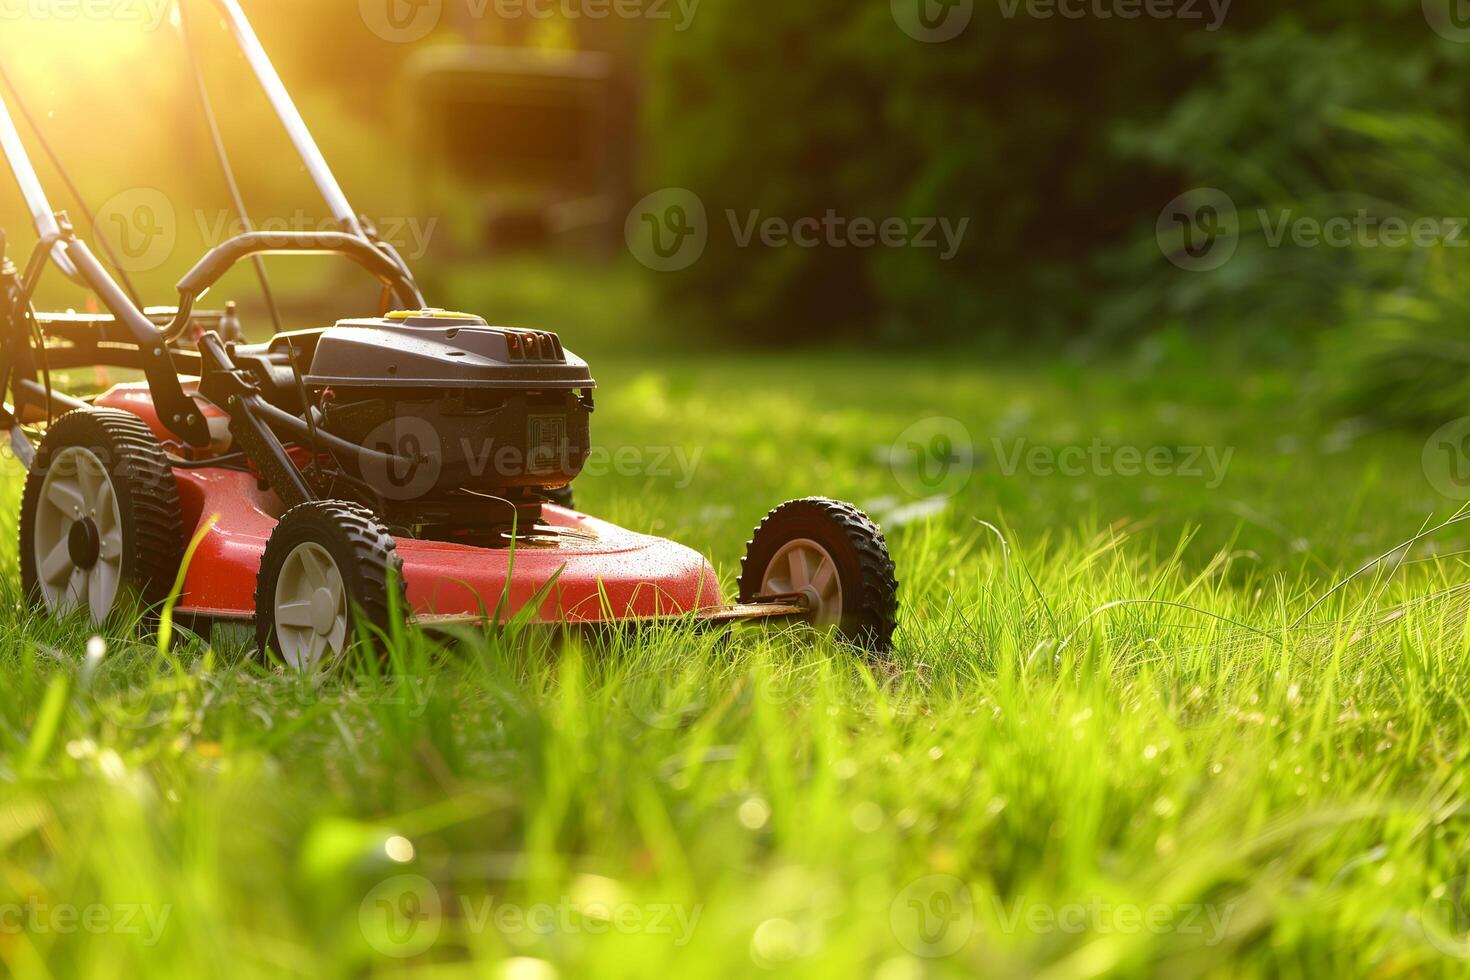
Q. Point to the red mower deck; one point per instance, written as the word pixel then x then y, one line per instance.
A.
pixel 585 570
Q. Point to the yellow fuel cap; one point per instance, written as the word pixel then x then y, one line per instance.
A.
pixel 429 315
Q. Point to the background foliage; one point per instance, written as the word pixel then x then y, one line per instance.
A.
pixel 1063 140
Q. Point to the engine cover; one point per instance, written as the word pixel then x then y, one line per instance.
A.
pixel 492 409
pixel 437 349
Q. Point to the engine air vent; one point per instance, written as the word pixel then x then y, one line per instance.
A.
pixel 534 345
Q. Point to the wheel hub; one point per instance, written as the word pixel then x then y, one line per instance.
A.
pixel 84 544
pixel 323 611
pixel 805 568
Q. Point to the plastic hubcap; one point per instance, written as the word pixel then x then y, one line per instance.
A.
pixel 78 543
pixel 806 568
pixel 323 611
pixel 311 608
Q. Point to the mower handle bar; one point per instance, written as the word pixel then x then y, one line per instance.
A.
pixel 222 258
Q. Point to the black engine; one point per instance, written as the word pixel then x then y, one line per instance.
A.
pixel 492 417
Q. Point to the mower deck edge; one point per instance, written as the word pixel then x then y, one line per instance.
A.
pixel 721 614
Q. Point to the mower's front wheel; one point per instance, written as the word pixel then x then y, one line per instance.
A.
pixel 330 569
pixel 834 558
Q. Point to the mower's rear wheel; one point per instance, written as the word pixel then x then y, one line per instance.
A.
pixel 833 556
pixel 329 569
pixel 100 522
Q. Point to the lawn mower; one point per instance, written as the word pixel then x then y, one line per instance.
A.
pixel 417 463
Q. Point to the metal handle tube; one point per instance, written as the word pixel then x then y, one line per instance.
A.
pixel 35 393
pixel 223 257
pixel 280 99
pixel 280 419
pixel 177 410
pixel 42 214
pixel 264 450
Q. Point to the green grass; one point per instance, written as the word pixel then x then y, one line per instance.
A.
pixel 1117 736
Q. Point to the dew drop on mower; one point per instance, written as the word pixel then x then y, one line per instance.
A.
pixel 417 463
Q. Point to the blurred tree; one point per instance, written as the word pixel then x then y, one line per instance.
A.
pixel 1059 138
pixel 829 105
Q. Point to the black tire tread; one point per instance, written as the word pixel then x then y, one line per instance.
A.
pixel 148 497
pixel 878 618
pixel 376 566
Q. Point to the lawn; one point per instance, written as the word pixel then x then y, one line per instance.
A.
pixel 1130 728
